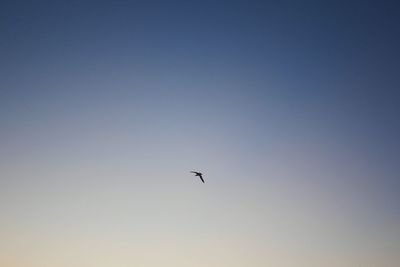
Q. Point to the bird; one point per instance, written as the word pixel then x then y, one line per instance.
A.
pixel 198 174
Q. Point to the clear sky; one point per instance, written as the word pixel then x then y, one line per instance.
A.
pixel 289 108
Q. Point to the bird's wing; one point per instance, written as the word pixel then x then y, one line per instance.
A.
pixel 194 172
pixel 201 177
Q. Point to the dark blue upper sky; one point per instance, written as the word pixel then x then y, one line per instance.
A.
pixel 334 61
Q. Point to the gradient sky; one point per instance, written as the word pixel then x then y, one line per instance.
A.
pixel 290 109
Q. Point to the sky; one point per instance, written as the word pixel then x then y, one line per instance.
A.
pixel 289 108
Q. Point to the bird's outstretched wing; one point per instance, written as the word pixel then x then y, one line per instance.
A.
pixel 201 177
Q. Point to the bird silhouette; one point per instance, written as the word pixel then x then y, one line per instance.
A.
pixel 198 174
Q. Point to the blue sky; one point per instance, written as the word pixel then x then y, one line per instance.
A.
pixel 289 108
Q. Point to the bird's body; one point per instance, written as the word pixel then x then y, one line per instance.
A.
pixel 198 174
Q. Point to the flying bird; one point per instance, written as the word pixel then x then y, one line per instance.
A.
pixel 198 174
